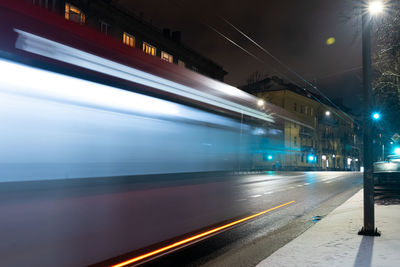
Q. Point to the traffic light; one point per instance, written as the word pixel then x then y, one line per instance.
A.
pixel 311 158
pixel 268 157
pixel 376 116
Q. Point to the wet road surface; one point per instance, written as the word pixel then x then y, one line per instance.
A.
pixel 83 222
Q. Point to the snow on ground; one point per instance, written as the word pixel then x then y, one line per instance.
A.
pixel 333 241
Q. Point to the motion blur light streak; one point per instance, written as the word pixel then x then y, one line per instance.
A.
pixel 53 128
pixel 47 48
pixel 196 237
pixel 54 86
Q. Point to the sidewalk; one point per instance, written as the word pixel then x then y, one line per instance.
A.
pixel 333 241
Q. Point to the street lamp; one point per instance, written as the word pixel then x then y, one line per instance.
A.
pixel 327 113
pixel 260 102
pixel 374 8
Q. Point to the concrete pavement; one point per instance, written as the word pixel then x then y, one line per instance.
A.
pixel 333 241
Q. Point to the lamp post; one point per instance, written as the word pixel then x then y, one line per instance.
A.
pixel 374 8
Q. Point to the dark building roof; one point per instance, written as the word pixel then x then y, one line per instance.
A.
pixel 113 20
pixel 274 83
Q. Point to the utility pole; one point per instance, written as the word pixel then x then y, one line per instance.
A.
pixel 369 212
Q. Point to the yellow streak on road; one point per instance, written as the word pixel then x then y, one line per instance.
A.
pixel 198 236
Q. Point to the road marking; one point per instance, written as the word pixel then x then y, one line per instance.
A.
pixel 256 196
pixel 306 183
pixel 267 193
pixel 330 178
pixel 199 236
pixel 296 176
pixel 299 185
pixel 328 182
pixel 243 199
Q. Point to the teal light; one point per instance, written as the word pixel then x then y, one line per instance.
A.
pixel 376 116
pixel 270 157
pixel 397 150
pixel 311 158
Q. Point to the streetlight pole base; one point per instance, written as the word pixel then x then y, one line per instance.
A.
pixel 369 232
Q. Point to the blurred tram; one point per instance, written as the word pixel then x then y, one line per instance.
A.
pixel 78 104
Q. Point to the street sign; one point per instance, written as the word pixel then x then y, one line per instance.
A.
pixel 396 137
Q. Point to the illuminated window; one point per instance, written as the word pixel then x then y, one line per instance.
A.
pixel 73 13
pixel 128 39
pixel 181 63
pixel 104 27
pixel 167 57
pixel 149 49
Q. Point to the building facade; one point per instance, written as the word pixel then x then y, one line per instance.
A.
pixel 134 31
pixel 327 138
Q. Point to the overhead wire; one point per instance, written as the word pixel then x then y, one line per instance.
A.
pixel 280 73
pixel 237 45
pixel 277 60
pixel 286 66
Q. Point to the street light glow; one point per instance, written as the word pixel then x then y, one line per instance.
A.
pixel 260 102
pixel 376 116
pixel 349 160
pixel 375 7
pixel 327 113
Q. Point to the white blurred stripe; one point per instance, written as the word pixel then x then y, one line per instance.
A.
pixel 47 48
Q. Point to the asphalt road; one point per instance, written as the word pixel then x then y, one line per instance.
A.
pixel 83 222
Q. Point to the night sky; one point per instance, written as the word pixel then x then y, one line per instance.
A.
pixel 294 31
